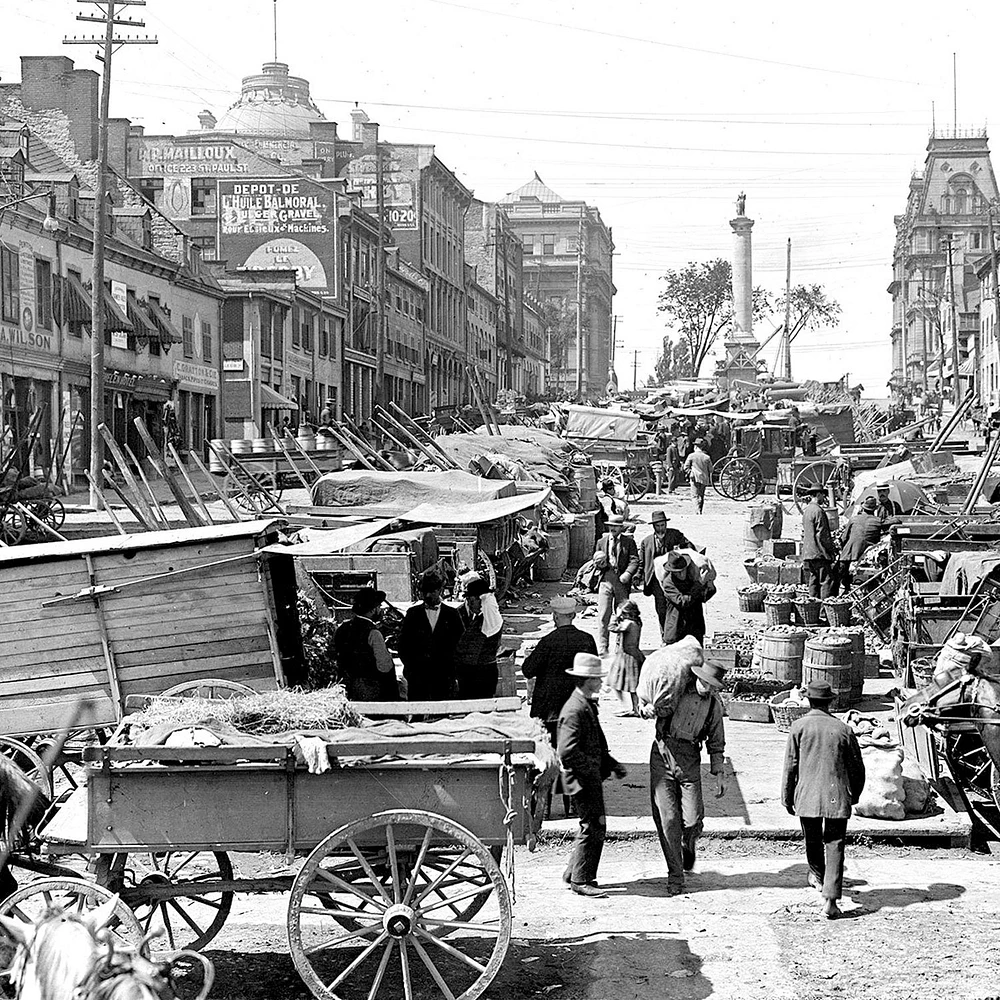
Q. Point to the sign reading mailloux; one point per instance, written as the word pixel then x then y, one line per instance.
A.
pixel 281 225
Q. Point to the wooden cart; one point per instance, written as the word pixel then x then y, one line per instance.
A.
pixel 616 445
pixel 401 892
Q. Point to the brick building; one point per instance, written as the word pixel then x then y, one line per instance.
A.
pixel 551 229
pixel 483 313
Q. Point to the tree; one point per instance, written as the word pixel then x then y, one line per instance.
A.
pixel 698 304
pixel 811 309
pixel 673 363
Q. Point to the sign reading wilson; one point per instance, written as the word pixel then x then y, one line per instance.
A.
pixel 286 224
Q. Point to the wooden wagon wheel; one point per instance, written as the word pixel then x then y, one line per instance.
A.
pixel 816 474
pixel 13 529
pixel 188 921
pixel 636 483
pixel 28 761
pixel 214 688
pixel 403 911
pixel 264 492
pixel 49 511
pixel 74 895
pixel 970 762
pixel 740 479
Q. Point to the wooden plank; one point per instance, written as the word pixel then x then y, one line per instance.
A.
pixel 132 508
pixel 126 642
pixel 256 675
pixel 180 603
pixel 79 681
pixel 161 514
pixel 190 514
pixel 109 656
pixel 44 715
pixel 104 500
pixel 131 565
pixel 149 519
pixel 202 621
pixel 42 647
pixel 374 709
pixel 224 649
pixel 67 626
pixel 195 494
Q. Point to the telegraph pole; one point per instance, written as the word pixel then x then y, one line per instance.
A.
pixel 379 393
pixel 996 304
pixel 788 312
pixel 579 310
pixel 106 46
pixel 635 370
pixel 957 387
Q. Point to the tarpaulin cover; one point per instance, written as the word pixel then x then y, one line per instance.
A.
pixel 605 425
pixel 474 513
pixel 398 492
pixel 320 542
pixel 966 570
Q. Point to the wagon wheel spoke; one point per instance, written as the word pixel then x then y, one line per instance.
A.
pixel 185 916
pixel 452 900
pixel 370 872
pixel 393 864
pixel 451 950
pixel 404 962
pixel 421 854
pixel 442 876
pixel 346 886
pixel 340 938
pixel 490 928
pixel 357 961
pixel 167 925
pixel 380 972
pixel 432 969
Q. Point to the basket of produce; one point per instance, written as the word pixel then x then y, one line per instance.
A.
pixel 787 706
pixel 807 610
pixel 839 611
pixel 747 700
pixel 778 610
pixel 751 599
pixel 923 669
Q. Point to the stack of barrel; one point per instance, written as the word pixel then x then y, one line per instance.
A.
pixel 837 656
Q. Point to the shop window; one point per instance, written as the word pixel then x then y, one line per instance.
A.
pixel 10 285
pixel 206 341
pixel 324 338
pixel 296 328
pixel 43 294
pixel 151 188
pixel 202 196
pixel 548 245
pixel 307 331
pixel 187 330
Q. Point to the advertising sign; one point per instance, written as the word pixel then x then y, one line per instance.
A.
pixel 400 178
pixel 279 225
pixel 119 292
pixel 198 377
pixel 26 281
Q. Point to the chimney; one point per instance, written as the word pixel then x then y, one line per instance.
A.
pixel 358 119
pixel 206 120
pixel 369 137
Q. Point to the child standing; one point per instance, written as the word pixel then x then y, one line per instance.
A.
pixel 624 674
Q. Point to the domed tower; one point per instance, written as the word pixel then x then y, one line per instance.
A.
pixel 272 103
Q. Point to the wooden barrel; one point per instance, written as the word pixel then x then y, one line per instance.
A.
pixel 779 654
pixel 552 565
pixel 830 658
pixel 260 445
pixel 586 482
pixel 857 637
pixel 214 465
pixel 581 539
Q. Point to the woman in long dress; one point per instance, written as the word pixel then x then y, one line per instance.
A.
pixel 624 674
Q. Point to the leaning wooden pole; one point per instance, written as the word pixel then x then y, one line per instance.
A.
pixel 417 430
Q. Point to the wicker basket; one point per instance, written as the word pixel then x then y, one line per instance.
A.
pixel 751 599
pixel 778 612
pixel 807 610
pixel 923 669
pixel 838 613
pixel 783 714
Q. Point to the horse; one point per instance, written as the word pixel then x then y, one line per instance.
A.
pixel 67 955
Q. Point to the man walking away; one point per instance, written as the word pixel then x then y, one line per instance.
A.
pixel 817 545
pixel 698 466
pixel 672 463
pixel 550 660
pixel 663 540
pixel 675 769
pixel 824 776
pixel 616 582
pixel 584 763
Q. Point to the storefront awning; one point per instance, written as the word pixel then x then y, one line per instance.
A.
pixel 115 321
pixel 271 400
pixel 74 301
pixel 168 332
pixel 145 328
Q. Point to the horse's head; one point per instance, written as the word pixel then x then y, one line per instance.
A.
pixel 56 955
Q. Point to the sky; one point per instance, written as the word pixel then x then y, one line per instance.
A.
pixel 658 114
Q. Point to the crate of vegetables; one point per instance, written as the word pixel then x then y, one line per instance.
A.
pixel 748 697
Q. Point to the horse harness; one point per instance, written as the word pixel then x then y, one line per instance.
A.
pixel 963 686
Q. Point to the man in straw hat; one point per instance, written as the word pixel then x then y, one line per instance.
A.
pixel 548 662
pixel 824 776
pixel 675 766
pixel 622 563
pixel 817 545
pixel 584 763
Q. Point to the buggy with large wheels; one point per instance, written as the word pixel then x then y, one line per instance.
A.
pixel 752 464
pixel 394 856
pixel 616 445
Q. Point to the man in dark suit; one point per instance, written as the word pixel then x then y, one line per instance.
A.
pixel 623 561
pixel 663 540
pixel 584 763
pixel 817 545
pixel 824 776
pixel 426 643
pixel 684 596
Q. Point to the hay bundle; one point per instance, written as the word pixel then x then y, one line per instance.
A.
pixel 263 714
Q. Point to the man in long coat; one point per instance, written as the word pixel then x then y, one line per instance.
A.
pixel 824 776
pixel 684 596
pixel 426 643
pixel 664 539
pixel 817 546
pixel 615 585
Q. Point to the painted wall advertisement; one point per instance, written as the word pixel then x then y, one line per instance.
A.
pixel 400 176
pixel 119 292
pixel 25 333
pixel 282 224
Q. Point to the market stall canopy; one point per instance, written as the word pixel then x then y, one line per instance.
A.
pixel 596 423
pixel 320 542
pixel 271 400
pixel 475 513
pixel 908 495
pixel 398 492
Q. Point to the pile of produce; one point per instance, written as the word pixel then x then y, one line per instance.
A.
pixel 754 687
pixel 265 713
pixel 742 642
pixel 869 730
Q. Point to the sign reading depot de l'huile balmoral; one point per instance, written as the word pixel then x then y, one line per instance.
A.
pixel 284 224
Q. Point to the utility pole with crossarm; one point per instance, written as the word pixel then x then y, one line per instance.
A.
pixel 107 45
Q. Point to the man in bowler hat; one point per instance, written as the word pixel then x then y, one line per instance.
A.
pixel 824 776
pixel 585 763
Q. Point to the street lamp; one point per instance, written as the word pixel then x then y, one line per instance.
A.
pixel 50 223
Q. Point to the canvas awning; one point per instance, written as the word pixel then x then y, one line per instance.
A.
pixel 115 321
pixel 167 330
pixel 74 300
pixel 145 328
pixel 271 400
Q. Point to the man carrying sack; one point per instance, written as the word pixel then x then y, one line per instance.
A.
pixel 663 540
pixel 584 763
pixel 824 776
pixel 675 793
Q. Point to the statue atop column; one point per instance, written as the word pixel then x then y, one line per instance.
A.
pixel 741 204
